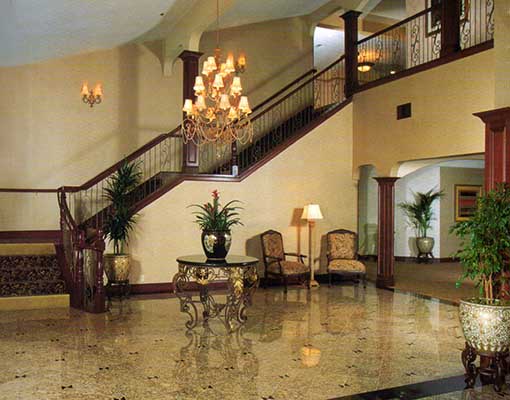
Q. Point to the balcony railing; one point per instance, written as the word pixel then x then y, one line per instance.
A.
pixel 417 40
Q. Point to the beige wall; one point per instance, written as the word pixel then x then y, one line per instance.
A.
pixel 449 178
pixel 48 137
pixel 443 101
pixel 317 168
pixel 277 52
pixel 502 49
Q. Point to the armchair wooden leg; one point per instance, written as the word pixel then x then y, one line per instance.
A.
pixel 285 283
pixel 329 277
pixel 364 281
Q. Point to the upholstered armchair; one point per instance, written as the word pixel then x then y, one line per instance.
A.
pixel 343 255
pixel 276 264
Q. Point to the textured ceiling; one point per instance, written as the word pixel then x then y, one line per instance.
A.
pixel 34 30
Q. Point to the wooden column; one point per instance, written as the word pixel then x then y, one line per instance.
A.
pixel 385 239
pixel 497 146
pixel 351 51
pixel 190 70
pixel 450 27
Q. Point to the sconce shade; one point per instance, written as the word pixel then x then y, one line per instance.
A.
pixel 312 212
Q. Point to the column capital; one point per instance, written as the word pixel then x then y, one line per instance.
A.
pixel 350 14
pixel 188 54
pixel 495 119
pixel 386 180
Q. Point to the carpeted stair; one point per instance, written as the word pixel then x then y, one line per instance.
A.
pixel 29 274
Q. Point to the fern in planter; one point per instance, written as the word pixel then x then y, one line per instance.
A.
pixel 419 212
pixel 121 218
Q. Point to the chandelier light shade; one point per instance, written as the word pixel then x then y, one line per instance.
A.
pixel 219 113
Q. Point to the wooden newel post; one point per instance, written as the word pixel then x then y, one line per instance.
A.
pixel 386 228
pixel 190 70
pixel 450 27
pixel 497 146
pixel 351 51
pixel 235 159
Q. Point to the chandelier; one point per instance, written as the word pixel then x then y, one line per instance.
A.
pixel 219 114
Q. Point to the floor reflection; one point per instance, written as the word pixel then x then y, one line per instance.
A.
pixel 319 344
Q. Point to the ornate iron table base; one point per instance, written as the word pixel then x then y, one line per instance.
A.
pixel 242 280
pixel 493 367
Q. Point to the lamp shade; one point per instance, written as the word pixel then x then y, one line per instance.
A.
pixel 312 212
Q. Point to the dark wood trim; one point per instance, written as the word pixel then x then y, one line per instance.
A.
pixel 168 287
pixel 31 236
pixel 450 27
pixel 15 190
pixel 373 258
pixel 429 65
pixel 285 88
pixel 394 26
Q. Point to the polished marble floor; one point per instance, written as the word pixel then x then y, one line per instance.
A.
pixel 330 343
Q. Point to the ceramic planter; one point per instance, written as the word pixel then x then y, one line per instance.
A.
pixel 117 267
pixel 425 244
pixel 486 325
pixel 216 244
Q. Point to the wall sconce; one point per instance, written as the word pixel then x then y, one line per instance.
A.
pixel 92 97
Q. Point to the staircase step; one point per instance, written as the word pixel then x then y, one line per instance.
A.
pixel 24 288
pixel 17 303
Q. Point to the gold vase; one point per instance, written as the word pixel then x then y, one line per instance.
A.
pixel 117 267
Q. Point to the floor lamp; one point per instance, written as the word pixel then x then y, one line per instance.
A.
pixel 311 212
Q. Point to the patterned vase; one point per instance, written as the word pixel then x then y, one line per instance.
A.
pixel 486 326
pixel 216 244
pixel 425 244
pixel 116 267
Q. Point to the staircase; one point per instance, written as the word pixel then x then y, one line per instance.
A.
pixel 279 121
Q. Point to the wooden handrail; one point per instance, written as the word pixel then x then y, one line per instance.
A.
pixel 285 88
pixel 394 26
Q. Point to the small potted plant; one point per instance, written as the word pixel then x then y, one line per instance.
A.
pixel 216 221
pixel 420 215
pixel 120 220
pixel 485 256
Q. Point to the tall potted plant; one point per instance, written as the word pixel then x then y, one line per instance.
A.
pixel 216 221
pixel 420 215
pixel 120 220
pixel 485 256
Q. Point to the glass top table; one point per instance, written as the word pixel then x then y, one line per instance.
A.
pixel 197 273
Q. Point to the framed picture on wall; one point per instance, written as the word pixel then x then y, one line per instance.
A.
pixel 434 17
pixel 466 197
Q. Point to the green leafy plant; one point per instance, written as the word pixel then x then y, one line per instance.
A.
pixel 485 247
pixel 121 218
pixel 214 217
pixel 419 212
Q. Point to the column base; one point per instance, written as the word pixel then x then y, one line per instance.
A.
pixel 385 282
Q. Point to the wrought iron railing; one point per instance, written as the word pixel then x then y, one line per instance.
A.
pixel 84 262
pixel 417 40
pixel 476 22
pixel 158 161
pixel 299 108
pixel 407 44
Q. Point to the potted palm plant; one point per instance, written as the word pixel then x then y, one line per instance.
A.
pixel 120 220
pixel 420 215
pixel 485 257
pixel 216 221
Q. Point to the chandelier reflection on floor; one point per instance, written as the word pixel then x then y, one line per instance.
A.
pixel 220 113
